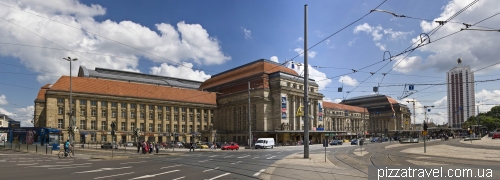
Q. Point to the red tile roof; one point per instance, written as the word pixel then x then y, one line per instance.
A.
pixel 330 105
pixel 392 101
pixel 129 89
pixel 255 68
pixel 41 93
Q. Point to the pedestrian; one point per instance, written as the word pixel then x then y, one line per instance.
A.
pixel 157 147
pixel 150 147
pixel 146 147
pixel 138 146
pixel 191 147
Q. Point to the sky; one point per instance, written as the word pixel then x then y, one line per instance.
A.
pixel 348 46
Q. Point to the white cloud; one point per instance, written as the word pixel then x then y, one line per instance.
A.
pixel 337 100
pixel 274 59
pixel 397 34
pixel 185 71
pixel 185 42
pixel 352 42
pixel 487 99
pixel 442 102
pixel 3 111
pixel 248 33
pixel 24 115
pixel 348 80
pixel 437 115
pixel 327 99
pixel 318 76
pixel 319 34
pixel 310 53
pixel 407 65
pixel 381 46
pixel 365 27
pixel 3 100
pixel 477 49
pixel 300 39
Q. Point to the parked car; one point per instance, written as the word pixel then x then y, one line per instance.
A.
pixel 336 142
pixel 231 146
pixel 354 142
pixel 201 145
pixel 496 135
pixel 109 146
pixel 375 139
pixel 129 144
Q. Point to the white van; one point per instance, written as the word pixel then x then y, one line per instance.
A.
pixel 263 143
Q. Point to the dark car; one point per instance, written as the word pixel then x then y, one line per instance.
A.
pixel 354 142
pixel 336 142
pixel 375 139
pixel 109 146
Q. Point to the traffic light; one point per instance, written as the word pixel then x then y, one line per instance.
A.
pixel 135 132
pixel 70 129
pixel 113 133
pixel 113 125
pixel 425 126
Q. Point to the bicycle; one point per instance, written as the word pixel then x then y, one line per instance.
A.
pixel 61 153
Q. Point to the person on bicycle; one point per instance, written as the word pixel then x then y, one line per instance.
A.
pixel 66 147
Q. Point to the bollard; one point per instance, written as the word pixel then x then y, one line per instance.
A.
pixel 27 147
pixel 36 148
pixel 46 149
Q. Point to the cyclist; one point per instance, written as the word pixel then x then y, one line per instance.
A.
pixel 66 148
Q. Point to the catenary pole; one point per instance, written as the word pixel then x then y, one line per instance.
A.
pixel 306 89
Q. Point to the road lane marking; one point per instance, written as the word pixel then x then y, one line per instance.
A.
pixel 205 160
pixel 133 162
pixel 243 156
pixel 102 169
pixel 258 173
pixel 213 156
pixel 219 176
pixel 179 178
pixel 171 166
pixel 70 167
pixel 114 175
pixel 271 157
pixel 153 175
pixel 267 154
pixel 63 162
pixel 211 169
pixel 27 164
pixel 236 162
pixel 62 165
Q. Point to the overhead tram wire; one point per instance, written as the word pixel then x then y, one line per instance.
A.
pixel 81 29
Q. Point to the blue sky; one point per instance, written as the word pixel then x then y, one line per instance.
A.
pixel 208 37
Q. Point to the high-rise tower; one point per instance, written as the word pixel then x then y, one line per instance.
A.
pixel 460 82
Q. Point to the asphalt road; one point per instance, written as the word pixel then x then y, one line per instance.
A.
pixel 219 164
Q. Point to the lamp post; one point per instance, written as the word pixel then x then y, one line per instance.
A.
pixel 71 121
pixel 425 122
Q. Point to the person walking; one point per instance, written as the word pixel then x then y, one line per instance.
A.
pixel 157 147
pixel 191 147
pixel 138 146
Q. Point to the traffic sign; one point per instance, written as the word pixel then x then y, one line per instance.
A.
pixel 411 87
pixel 424 133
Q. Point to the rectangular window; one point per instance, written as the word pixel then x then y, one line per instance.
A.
pixel 60 110
pixel 82 124
pixel 82 111
pixel 183 128
pixel 183 118
pixel 167 128
pixel 142 115
pixel 190 118
pixel 198 119
pixel 132 114
pixel 123 114
pixel 142 106
pixel 159 127
pixel 176 117
pixel 198 128
pixel 103 125
pixel 113 113
pixel 93 112
pixel 104 138
pixel 150 115
pixel 175 127
pixel 167 108
pixel 160 108
pixel 168 117
pixel 183 109
pixel 204 127
pixel 61 137
pixel 93 103
pixel 176 109
pixel 60 100
pixel 114 104
pixel 160 116
pixel 104 103
pixel 93 125
pixel 103 113
pixel 133 105
pixel 205 118
pixel 150 127
pixel 123 105
pixel 83 102
pixel 132 126
pixel 151 107
pixel 123 126
pixel 60 124
pixel 191 128
pixel 92 137
pixel 141 126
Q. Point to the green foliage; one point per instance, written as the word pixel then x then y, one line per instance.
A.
pixel 488 119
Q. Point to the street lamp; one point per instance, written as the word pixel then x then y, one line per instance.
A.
pixel 71 121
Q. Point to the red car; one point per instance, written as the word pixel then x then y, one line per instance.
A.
pixel 496 135
pixel 230 146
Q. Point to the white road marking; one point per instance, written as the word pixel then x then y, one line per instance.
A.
pixel 114 175
pixel 133 162
pixel 228 156
pixel 63 162
pixel 102 169
pixel 171 166
pixel 211 169
pixel 49 166
pixel 153 175
pixel 219 176
pixel 27 164
pixel 179 178
pixel 213 156
pixel 71 167
pixel 243 156
pixel 206 160
pixel 271 157
pixel 236 162
pixel 258 173
pixel 267 154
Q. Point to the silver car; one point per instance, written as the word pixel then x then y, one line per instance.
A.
pixel 109 146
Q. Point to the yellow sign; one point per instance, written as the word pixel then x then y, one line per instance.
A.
pixel 424 133
pixel 406 122
pixel 299 111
